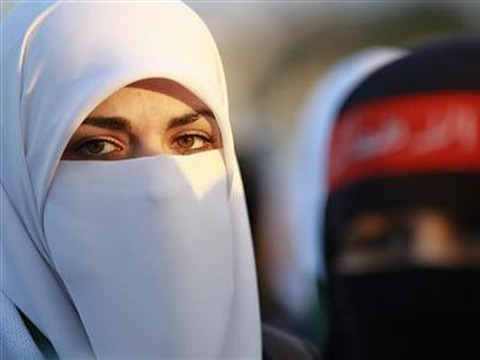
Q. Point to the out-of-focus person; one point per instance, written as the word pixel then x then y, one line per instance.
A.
pixel 401 235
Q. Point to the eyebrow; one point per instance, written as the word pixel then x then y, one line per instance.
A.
pixel 123 124
pixel 112 123
pixel 188 118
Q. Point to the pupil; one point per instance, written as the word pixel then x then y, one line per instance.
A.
pixel 96 146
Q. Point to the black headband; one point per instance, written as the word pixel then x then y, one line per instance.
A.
pixel 447 65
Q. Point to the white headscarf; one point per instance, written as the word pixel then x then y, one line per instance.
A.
pixel 97 254
pixel 308 180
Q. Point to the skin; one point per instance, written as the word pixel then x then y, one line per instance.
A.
pixel 423 236
pixel 146 118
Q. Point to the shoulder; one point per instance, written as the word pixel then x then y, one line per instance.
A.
pixel 279 345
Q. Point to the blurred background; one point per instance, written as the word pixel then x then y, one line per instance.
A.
pixel 274 52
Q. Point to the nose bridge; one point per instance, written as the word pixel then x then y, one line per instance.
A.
pixel 151 143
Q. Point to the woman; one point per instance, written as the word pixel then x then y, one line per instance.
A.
pixel 401 228
pixel 124 230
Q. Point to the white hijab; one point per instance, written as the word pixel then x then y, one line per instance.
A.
pixel 179 280
pixel 308 175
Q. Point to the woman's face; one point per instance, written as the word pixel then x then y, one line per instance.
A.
pixel 147 118
pixel 423 236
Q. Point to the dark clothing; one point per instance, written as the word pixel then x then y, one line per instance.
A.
pixel 278 345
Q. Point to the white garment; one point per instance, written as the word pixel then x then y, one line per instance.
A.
pixel 307 184
pixel 150 276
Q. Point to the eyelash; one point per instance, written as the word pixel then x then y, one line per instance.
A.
pixel 208 139
pixel 109 140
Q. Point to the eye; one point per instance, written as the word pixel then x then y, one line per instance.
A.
pixel 192 142
pixel 98 148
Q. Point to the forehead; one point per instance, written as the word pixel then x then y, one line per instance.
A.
pixel 156 96
pixel 134 102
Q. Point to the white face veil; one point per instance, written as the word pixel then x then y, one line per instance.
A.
pixel 307 184
pixel 141 258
